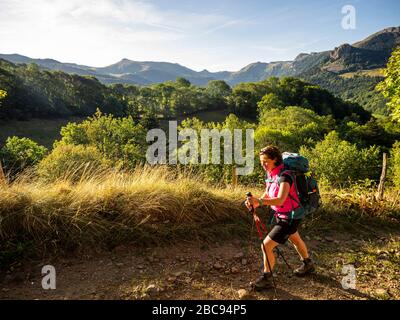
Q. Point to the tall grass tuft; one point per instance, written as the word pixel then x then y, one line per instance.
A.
pixel 147 205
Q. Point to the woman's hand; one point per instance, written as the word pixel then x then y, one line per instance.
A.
pixel 252 202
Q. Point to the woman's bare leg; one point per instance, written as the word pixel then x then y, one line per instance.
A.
pixel 299 245
pixel 269 245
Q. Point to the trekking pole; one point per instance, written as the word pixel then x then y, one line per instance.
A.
pixel 280 252
pixel 276 248
pixel 283 258
pixel 266 232
pixel 258 222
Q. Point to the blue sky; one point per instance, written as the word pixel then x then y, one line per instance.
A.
pixel 214 35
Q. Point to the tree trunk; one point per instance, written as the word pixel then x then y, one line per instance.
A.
pixel 381 186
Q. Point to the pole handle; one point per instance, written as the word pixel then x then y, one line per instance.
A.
pixel 249 195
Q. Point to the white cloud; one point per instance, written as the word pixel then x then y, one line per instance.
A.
pixel 99 32
pixel 226 24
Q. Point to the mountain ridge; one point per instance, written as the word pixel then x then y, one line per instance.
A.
pixel 369 53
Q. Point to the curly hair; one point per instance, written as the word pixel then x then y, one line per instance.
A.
pixel 273 153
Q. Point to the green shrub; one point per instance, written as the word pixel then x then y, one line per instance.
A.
pixel 119 140
pixel 340 162
pixel 72 162
pixel 217 173
pixel 390 87
pixel 3 94
pixel 268 102
pixel 291 127
pixel 395 164
pixel 382 132
pixel 20 153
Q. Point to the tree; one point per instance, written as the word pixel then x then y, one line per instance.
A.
pixel 21 153
pixel 242 103
pixel 164 94
pixel 269 101
pixel 395 164
pixel 149 121
pixel 119 140
pixel 113 105
pixel 182 82
pixel 390 87
pixel 339 162
pixel 218 89
pixel 182 101
pixel 147 100
pixel 374 132
pixel 291 127
pixel 34 92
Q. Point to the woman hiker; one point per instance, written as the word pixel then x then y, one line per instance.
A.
pixel 277 196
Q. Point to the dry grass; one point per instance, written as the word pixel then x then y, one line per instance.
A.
pixel 107 208
pixel 364 201
pixel 356 211
pixel 149 205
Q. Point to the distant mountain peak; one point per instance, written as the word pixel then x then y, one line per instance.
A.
pixel 384 40
pixel 372 52
pixel 302 56
pixel 338 52
pixel 124 61
pixel 392 29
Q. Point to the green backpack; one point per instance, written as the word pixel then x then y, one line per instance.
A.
pixel 305 181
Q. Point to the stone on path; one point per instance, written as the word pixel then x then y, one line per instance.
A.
pixel 244 294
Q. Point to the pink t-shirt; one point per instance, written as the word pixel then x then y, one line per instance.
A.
pixel 272 189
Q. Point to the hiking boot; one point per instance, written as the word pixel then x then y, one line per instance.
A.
pixel 264 282
pixel 306 268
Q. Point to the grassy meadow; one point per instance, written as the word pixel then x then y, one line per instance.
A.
pixel 43 131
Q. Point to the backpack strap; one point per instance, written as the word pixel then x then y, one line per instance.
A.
pixel 293 176
pixel 269 181
pixel 290 172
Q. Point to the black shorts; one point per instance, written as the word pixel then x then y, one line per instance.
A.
pixel 283 229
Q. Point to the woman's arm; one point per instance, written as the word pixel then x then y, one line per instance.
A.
pixel 264 195
pixel 284 189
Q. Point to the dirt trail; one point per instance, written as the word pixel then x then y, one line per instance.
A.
pixel 210 271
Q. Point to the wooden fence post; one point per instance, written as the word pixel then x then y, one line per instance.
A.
pixel 381 187
pixel 234 177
